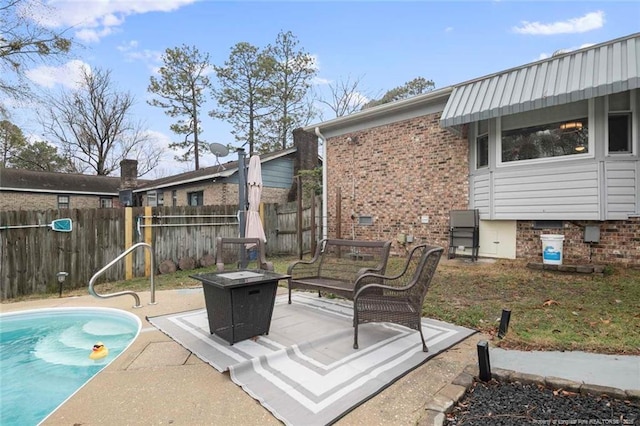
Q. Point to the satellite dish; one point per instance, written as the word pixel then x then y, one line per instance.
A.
pixel 219 150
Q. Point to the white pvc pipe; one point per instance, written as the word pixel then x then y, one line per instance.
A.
pixel 324 183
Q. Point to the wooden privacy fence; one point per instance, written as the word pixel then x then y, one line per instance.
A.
pixel 31 258
pixel 289 233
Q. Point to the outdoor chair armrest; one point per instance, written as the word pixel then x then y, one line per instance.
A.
pixel 371 277
pixel 367 279
pixel 303 268
pixel 380 289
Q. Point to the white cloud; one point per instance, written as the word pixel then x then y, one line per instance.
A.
pixel 358 98
pixel 319 81
pixel 588 22
pixel 96 19
pixel 448 29
pixel 562 51
pixel 151 58
pixel 89 35
pixel 68 75
pixel 168 165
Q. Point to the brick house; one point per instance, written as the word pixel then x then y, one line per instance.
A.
pixel 219 184
pixel 35 190
pixel 550 147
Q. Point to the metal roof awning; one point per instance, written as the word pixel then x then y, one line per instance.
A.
pixel 598 70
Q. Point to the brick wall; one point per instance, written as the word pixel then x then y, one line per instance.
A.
pixel 221 194
pixel 397 173
pixel 619 242
pixel 10 200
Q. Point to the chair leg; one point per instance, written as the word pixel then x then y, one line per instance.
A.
pixel 289 293
pixel 424 344
pixel 355 336
pixel 355 328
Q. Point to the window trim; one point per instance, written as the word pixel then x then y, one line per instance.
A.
pixel 479 135
pixel 589 154
pixel 68 203
pixel 200 198
pixel 633 149
pixel 365 220
pixel 104 200
pixel 152 198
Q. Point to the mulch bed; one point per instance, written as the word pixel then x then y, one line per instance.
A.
pixel 513 403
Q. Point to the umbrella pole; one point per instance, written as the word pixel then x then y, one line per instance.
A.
pixel 242 202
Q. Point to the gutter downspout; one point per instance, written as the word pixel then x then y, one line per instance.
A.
pixel 324 183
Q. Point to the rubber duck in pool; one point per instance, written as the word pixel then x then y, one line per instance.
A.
pixel 99 351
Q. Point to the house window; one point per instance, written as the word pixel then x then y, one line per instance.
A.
pixel 152 199
pixel 365 220
pixel 619 123
pixel 482 144
pixel 547 224
pixel 195 198
pixel 106 202
pixel 174 198
pixel 63 201
pixel 560 138
pixel 160 198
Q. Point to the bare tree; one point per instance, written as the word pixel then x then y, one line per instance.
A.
pixel 346 96
pixel 24 41
pixel 94 127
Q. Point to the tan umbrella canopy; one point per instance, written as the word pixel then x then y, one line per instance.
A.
pixel 254 227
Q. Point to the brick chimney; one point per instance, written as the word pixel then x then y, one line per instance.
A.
pixel 306 158
pixel 128 174
pixel 307 150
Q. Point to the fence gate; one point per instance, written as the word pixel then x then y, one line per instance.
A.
pixel 282 233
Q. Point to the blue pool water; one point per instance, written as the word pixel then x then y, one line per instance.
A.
pixel 44 356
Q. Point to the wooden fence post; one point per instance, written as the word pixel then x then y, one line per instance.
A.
pixel 147 239
pixel 128 242
pixel 299 217
pixel 313 224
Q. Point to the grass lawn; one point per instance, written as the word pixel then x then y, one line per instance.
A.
pixel 549 310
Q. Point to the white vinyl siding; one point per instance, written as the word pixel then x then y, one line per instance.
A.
pixel 481 193
pixel 622 188
pixel 549 193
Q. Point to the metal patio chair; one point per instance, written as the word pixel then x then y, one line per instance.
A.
pixel 399 298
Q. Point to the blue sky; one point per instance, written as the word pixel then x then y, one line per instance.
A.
pixel 384 44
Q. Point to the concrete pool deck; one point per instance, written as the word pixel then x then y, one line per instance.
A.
pixel 157 381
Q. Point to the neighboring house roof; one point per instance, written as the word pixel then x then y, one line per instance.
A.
pixel 51 182
pixel 206 173
pixel 598 70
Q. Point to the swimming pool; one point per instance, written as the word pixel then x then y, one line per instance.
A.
pixel 44 356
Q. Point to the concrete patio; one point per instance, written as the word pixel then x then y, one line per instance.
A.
pixel 157 381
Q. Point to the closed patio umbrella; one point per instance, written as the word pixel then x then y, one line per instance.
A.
pixel 254 227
